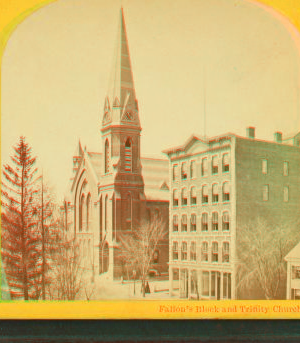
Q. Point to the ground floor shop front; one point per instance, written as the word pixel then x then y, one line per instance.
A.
pixel 200 283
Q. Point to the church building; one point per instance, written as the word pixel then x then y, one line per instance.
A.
pixel 113 191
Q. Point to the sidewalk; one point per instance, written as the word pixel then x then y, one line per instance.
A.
pixel 103 288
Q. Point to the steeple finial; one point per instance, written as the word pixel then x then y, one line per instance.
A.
pixel 120 103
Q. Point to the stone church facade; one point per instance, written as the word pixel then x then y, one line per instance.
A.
pixel 112 192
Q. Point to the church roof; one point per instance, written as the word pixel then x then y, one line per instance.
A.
pixel 96 161
pixel 156 175
pixel 155 172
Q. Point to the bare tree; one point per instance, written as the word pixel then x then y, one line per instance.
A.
pixel 66 269
pixel 261 249
pixel 138 247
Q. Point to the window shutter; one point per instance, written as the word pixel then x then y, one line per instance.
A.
pixel 184 219
pixel 205 191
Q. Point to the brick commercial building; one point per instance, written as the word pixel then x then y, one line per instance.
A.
pixel 112 192
pixel 216 186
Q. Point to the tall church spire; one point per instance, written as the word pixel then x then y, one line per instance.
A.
pixel 120 103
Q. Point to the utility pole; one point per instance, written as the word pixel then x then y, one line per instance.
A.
pixel 43 245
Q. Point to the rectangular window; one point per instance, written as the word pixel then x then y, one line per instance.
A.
pixel 285 168
pixel 175 250
pixel 184 171
pixel 193 196
pixel 192 169
pixel 194 282
pixel 204 252
pixel 213 284
pixel 215 221
pixel 184 197
pixel 265 192
pixel 184 251
pixel 205 194
pixel 295 272
pixel 175 172
pixel 225 221
pixel 175 223
pixel 204 224
pixel 285 193
pixel 264 166
pixel 184 223
pixel 175 197
pixel 215 193
pixel 225 163
pixel 214 252
pixel 204 167
pixel 214 165
pixel 225 252
pixel 226 286
pixel 193 252
pixel 193 222
pixel 205 283
pixel 226 191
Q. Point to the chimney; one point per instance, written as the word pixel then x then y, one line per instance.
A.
pixel 278 137
pixel 250 132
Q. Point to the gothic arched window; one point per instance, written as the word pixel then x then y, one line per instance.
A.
pixel 100 218
pixel 105 213
pixel 88 211
pixel 128 155
pixel 106 157
pixel 128 212
pixel 81 213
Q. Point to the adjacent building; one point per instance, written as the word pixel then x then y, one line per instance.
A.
pixel 293 274
pixel 112 192
pixel 217 185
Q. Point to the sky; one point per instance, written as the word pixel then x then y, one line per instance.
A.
pixel 234 60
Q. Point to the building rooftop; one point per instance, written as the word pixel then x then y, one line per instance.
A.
pixel 294 254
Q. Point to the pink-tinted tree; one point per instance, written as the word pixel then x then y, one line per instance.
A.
pixel 20 234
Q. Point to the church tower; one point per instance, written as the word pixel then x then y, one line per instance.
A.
pixel 121 189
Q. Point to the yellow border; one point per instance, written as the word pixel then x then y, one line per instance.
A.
pixel 12 13
pixel 152 309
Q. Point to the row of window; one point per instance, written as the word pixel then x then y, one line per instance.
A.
pixel 264 167
pixel 204 194
pixel 204 167
pixel 204 222
pixel 266 193
pixel 204 252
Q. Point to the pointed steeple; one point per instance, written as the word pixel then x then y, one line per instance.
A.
pixel 77 157
pixel 120 106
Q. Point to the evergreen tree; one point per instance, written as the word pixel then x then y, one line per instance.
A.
pixel 20 234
